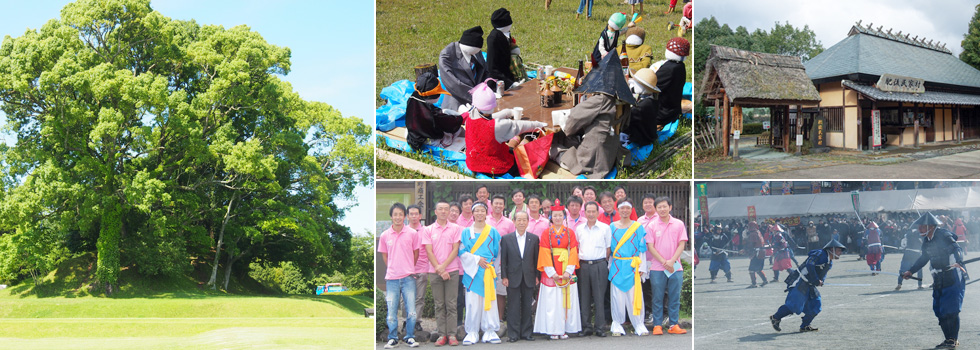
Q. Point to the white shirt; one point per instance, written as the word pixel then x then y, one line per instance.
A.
pixel 521 242
pixel 593 241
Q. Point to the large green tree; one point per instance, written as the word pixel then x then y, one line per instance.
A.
pixel 163 139
pixel 971 41
pixel 783 39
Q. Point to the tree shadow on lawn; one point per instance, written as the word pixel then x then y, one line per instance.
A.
pixel 355 304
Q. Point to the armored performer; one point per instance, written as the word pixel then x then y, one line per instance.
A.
pixel 803 295
pixel 945 258
pixel 719 242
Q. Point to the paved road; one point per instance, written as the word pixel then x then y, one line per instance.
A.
pixel 964 165
pixel 867 315
pixel 630 342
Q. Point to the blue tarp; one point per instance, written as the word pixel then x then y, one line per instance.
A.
pixel 392 115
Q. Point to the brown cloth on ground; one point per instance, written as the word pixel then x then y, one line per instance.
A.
pixel 585 145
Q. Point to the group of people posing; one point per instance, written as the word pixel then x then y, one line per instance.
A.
pixel 469 86
pixel 580 262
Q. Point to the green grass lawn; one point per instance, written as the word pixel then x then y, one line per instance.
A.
pixel 174 313
pixel 410 32
pixel 204 322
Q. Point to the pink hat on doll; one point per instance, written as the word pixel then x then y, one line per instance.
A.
pixel 483 97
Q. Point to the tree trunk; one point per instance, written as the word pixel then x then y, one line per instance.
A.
pixel 107 271
pixel 221 240
pixel 228 265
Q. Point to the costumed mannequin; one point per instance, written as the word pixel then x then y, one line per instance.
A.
pixel 643 125
pixel 558 311
pixel 671 76
pixel 949 277
pixel 424 120
pixel 609 38
pixel 486 149
pixel 503 54
pixel 627 271
pixel 479 248
pixel 585 144
pixel 803 296
pixel 640 55
pixel 461 67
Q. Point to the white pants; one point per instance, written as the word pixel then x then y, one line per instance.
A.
pixel 551 317
pixel 478 319
pixel 622 305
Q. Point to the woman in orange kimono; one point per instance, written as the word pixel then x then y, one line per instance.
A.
pixel 558 310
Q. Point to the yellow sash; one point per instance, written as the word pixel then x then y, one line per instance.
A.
pixel 562 255
pixel 489 290
pixel 635 263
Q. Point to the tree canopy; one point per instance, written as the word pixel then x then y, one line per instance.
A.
pixel 783 39
pixel 971 41
pixel 162 143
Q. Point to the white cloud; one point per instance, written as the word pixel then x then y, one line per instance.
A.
pixel 945 22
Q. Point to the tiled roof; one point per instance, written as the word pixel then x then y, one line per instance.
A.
pixel 873 52
pixel 932 97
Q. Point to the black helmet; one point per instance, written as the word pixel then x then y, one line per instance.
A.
pixel 926 219
pixel 834 244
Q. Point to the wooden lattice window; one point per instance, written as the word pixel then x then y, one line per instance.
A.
pixel 835 118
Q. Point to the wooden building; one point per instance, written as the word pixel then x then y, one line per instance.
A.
pixel 923 93
pixel 739 78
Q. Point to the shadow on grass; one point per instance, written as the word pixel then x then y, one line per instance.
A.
pixel 353 303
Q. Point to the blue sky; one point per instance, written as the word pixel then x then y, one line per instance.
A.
pixel 332 45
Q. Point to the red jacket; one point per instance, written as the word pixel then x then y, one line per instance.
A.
pixel 483 153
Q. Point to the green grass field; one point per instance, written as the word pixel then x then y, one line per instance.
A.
pixel 161 313
pixel 411 32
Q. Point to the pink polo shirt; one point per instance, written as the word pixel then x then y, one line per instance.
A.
pixel 464 222
pixel 400 247
pixel 421 265
pixel 441 238
pixel 537 226
pixel 665 237
pixel 572 224
pixel 503 226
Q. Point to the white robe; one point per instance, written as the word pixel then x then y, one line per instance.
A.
pixel 622 306
pixel 478 319
pixel 551 317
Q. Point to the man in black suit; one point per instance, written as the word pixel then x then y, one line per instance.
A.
pixel 519 273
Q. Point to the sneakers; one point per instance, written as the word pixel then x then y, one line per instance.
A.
pixel 808 329
pixel 948 344
pixel 411 343
pixel 764 283
pixel 617 334
pixel 441 341
pixel 392 343
pixel 752 286
pixel 658 330
pixel 676 329
pixel 775 323
pixel 898 287
pixel 730 280
pixel 453 341
pixel 712 281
